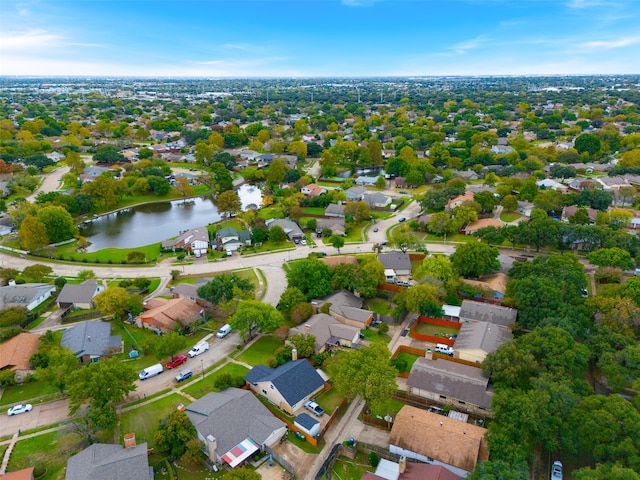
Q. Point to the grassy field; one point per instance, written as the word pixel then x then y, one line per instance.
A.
pixel 199 388
pixel 313 211
pixel 144 421
pixel 389 407
pixel 409 360
pixel 261 351
pixel 26 391
pixel 509 216
pixel 435 330
pixel 329 400
pixel 106 255
pixel 51 450
pixel 373 336
pixel 346 469
pixel 380 306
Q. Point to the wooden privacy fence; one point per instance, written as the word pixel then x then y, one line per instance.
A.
pixel 411 350
pixel 432 338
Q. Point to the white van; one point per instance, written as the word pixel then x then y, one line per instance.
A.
pixel 198 349
pixel 224 331
pixel 444 349
pixel 229 252
pixel 151 371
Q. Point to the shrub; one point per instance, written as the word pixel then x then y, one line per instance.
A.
pixel 374 459
pixel 383 328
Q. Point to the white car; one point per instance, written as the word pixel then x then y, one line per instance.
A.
pixel 556 470
pixel 314 407
pixel 198 349
pixel 303 242
pixel 15 410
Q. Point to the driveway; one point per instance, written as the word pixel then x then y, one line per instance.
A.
pixel 41 415
pixel 50 182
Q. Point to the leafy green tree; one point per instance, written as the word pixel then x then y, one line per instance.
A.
pixel 13 316
pixel 87 384
pixel 311 276
pixel 221 177
pixel 225 287
pixel 60 364
pixel 37 272
pixel 487 201
pixel 291 297
pixel 337 241
pixel 439 267
pixel 510 203
pixel 366 372
pixel 474 259
pixel 168 345
pixel 253 314
pixel 117 302
pixel 277 171
pixel 611 257
pixel 424 299
pixel 304 343
pixel 33 234
pixel 605 471
pixel 581 217
pixel 403 238
pixel 441 223
pixel 86 275
pixel 108 154
pixel 58 222
pixel 175 431
pixel 228 203
pixel 359 211
pixel 588 143
pixel 276 234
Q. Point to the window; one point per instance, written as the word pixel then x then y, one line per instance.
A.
pixel 264 391
pixel 271 387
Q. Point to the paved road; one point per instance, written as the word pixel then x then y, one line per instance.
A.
pixel 50 182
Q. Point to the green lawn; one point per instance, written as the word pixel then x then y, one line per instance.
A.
pixel 380 306
pixel 51 450
pixel 269 246
pixel 390 406
pixel 346 469
pixel 261 351
pixel 26 391
pixel 329 400
pixel 373 336
pixel 144 421
pixel 509 216
pixel 106 255
pixel 199 388
pixel 435 330
pixel 409 359
pixel 313 211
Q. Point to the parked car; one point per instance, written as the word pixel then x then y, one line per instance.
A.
pixel 176 361
pixel 556 470
pixel 198 349
pixel 303 242
pixel 314 407
pixel 22 408
pixel 183 375
pixel 402 219
pixel 375 229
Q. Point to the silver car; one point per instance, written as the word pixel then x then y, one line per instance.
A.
pixel 17 409
pixel 556 470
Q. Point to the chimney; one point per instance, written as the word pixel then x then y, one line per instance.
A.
pixel 212 446
pixel 129 440
pixel 402 464
pixel 294 354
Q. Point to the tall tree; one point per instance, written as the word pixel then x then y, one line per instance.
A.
pixel 168 345
pixel 228 203
pixel 59 223
pixel 33 234
pixel 366 372
pixel 253 314
pixel 117 302
pixel 225 287
pixel 311 276
pixel 474 259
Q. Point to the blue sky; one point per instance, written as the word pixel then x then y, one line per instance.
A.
pixel 302 38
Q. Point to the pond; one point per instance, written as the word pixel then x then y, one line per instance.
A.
pixel 155 222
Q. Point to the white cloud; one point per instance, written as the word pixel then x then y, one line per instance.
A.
pixel 471 44
pixel 22 10
pixel 609 44
pixel 37 39
pixel 360 3
pixel 580 4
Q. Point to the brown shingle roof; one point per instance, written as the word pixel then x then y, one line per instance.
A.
pixel 442 438
pixel 15 352
pixel 177 309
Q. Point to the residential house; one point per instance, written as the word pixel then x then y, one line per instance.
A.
pixel 291 228
pixel 459 200
pixel 287 386
pixel 612 183
pixel 477 188
pixel 7 225
pixel 346 308
pixel 485 312
pixel 464 387
pixel 466 175
pixel 334 210
pixel 525 207
pixel 250 155
pixel 439 440
pixel 355 194
pixel 89 174
pixel 91 340
pixel 403 470
pixel 102 461
pixel 55 156
pixel 313 190
pixel 501 149
pixel 366 180
pixel 195 241
pixel 482 223
pixel 377 200
pixel 79 296
pixel 570 211
pixel 399 262
pixel 494 284
pixel 336 225
pixel 476 340
pixel 165 315
pixel 233 425
pixel 28 295
pixel 550 184
pixel 328 332
pixel 16 352
pixel 229 238
pixel 592 167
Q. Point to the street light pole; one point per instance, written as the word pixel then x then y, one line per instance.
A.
pixel 202 364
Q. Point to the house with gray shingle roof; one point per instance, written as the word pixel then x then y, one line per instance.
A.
pixel 287 386
pixel 355 194
pixel 485 312
pixel 475 340
pixel 79 296
pixel 336 225
pixel 328 332
pixel 377 200
pixel 399 262
pixel 334 210
pixel 103 461
pixel 232 239
pixel 346 308
pixel 28 295
pixel 291 228
pixel 233 425
pixel 91 340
